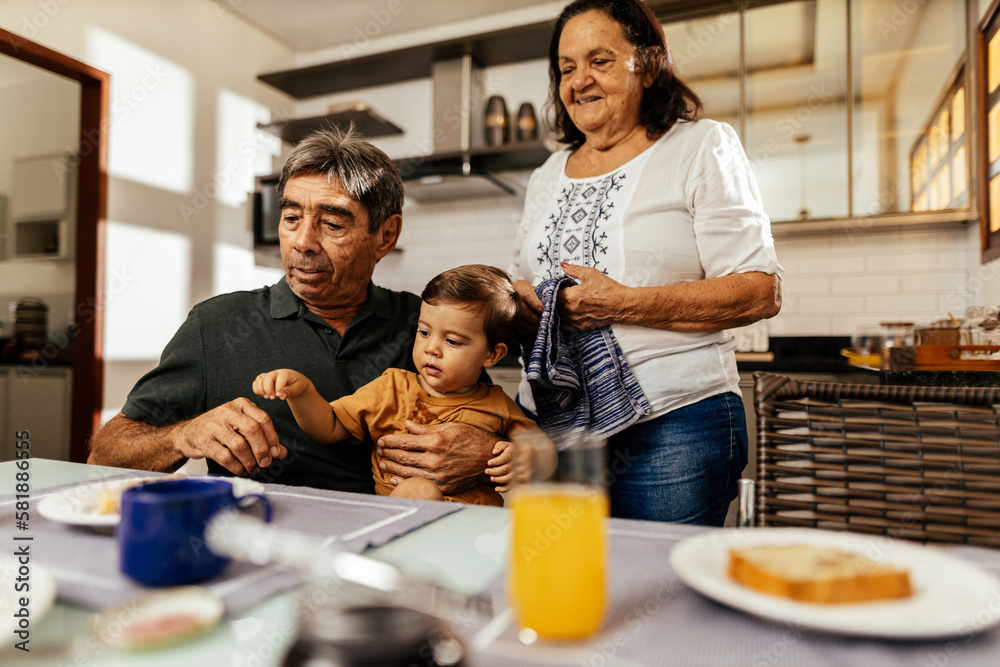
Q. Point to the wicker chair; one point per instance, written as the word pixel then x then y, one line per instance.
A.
pixel 920 463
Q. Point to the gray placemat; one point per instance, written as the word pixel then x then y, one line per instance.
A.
pixel 654 619
pixel 85 562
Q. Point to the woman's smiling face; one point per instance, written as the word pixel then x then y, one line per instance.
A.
pixel 599 84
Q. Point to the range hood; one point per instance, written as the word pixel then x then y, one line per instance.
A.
pixel 455 182
pixel 463 166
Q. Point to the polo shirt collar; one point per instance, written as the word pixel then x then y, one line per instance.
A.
pixel 284 303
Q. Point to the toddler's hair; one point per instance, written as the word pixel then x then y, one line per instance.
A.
pixel 487 289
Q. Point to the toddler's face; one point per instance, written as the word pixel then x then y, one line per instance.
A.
pixel 450 350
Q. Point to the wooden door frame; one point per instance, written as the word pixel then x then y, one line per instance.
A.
pixel 88 359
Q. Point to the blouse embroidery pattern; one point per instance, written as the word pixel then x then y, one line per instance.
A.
pixel 576 231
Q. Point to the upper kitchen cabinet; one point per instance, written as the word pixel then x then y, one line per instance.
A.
pixel 988 58
pixel 853 113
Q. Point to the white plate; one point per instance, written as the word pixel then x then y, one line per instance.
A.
pixel 78 505
pixel 157 619
pixel 951 597
pixel 41 594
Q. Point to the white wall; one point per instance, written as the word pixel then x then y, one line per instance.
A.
pixel 183 151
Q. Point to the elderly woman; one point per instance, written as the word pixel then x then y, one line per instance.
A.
pixel 657 216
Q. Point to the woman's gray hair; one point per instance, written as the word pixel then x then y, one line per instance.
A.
pixel 367 173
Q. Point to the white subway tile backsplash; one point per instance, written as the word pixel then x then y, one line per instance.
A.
pixel 884 263
pixel 865 284
pixel 811 246
pixel 831 265
pixel 802 285
pixel 832 305
pixel 954 259
pixel 848 326
pixel 902 306
pixel 800 326
pixel 933 282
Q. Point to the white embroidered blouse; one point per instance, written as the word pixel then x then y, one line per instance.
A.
pixel 685 209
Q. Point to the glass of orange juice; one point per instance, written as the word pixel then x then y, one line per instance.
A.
pixel 557 567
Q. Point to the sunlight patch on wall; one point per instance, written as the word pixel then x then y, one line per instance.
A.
pixel 147 289
pixel 152 113
pixel 243 151
pixel 235 270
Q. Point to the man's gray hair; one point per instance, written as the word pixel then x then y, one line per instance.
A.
pixel 367 173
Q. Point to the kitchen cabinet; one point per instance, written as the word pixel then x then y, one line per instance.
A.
pixel 37 401
pixel 989 126
pixel 43 217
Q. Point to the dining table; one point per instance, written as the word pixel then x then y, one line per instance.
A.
pixel 653 614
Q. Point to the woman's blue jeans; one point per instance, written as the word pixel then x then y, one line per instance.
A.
pixel 681 467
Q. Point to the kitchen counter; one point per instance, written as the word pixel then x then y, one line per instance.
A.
pixel 941 378
pixel 800 354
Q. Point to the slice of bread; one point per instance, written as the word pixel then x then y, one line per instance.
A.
pixel 109 497
pixel 823 575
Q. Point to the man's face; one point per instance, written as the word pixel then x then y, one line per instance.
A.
pixel 326 249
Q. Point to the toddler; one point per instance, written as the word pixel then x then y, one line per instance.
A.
pixel 467 315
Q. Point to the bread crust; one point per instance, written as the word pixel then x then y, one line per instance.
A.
pixel 823 575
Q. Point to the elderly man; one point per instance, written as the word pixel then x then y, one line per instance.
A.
pixel 341 200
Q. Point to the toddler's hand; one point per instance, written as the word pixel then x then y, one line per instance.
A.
pixel 283 383
pixel 501 470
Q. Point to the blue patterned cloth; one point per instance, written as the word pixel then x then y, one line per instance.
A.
pixel 579 380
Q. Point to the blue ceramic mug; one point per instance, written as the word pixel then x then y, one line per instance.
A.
pixel 161 536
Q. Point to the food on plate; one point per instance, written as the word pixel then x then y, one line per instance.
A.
pixel 164 617
pixel 823 575
pixel 169 626
pixel 109 497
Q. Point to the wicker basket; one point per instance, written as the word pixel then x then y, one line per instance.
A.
pixel 914 462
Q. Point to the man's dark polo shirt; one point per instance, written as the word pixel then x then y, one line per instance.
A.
pixel 228 340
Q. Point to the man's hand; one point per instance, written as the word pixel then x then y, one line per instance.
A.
pixel 453 456
pixel 237 435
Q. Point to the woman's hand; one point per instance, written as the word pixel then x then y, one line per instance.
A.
pixel 531 308
pixel 596 302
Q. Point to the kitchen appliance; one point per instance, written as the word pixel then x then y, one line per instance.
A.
pixel 31 323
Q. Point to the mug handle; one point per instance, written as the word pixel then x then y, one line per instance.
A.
pixel 247 500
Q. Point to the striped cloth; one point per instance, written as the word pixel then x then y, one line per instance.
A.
pixel 580 381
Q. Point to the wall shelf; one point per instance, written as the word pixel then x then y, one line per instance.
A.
pixel 507 157
pixel 368 122
pixel 500 47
